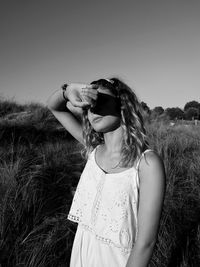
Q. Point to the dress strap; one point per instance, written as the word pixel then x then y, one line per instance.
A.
pixel 137 165
pixel 93 150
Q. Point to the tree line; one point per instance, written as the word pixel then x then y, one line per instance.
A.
pixel 191 111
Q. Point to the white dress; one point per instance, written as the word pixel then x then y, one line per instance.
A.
pixel 105 207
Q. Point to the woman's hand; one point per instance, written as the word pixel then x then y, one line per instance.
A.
pixel 81 95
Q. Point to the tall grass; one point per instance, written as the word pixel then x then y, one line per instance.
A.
pixel 178 239
pixel 40 166
pixel 37 189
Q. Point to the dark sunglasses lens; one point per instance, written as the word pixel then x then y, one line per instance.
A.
pixel 104 83
pixel 106 105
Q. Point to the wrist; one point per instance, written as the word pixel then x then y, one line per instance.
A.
pixel 64 90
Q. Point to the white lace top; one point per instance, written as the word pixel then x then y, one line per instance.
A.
pixel 106 204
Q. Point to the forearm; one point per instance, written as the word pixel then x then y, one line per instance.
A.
pixel 140 256
pixel 56 101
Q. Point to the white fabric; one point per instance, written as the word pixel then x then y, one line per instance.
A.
pixel 105 207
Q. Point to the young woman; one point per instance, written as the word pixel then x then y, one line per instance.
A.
pixel 118 200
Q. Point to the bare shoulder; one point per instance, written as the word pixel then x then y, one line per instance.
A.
pixel 152 166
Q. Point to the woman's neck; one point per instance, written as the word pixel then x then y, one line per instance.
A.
pixel 113 140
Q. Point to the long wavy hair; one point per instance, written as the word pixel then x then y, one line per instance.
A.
pixel 134 132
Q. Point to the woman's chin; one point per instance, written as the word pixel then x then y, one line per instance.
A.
pixel 105 124
pixel 100 128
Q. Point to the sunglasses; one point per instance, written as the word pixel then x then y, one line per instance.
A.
pixel 106 105
pixel 107 83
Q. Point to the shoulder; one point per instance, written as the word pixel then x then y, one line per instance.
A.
pixel 151 166
pixel 150 159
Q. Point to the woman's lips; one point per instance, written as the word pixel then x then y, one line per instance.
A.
pixel 96 119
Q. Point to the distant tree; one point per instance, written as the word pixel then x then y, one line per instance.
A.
pixel 192 104
pixel 145 107
pixel 191 113
pixel 174 113
pixel 158 110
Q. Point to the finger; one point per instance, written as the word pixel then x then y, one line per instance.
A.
pixel 85 98
pixel 89 91
pixel 89 96
pixel 92 86
pixel 73 108
pixel 69 105
pixel 81 104
pixel 78 102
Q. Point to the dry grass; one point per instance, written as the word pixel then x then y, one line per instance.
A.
pixel 40 167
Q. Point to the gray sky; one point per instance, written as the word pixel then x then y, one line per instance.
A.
pixel 154 46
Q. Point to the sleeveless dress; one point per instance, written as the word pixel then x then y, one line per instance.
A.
pixel 105 206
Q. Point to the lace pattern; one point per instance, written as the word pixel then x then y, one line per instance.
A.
pixel 107 205
pixel 97 201
pixel 107 241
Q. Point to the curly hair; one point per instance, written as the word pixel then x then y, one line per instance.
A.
pixel 134 133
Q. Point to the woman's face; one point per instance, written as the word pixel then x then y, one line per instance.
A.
pixel 105 123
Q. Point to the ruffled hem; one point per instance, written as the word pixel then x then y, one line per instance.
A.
pixel 98 237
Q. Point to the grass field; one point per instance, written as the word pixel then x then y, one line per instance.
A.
pixel 40 167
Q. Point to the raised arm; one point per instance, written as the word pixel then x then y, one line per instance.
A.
pixel 69 113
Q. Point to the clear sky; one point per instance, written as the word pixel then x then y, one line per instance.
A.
pixel 153 45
